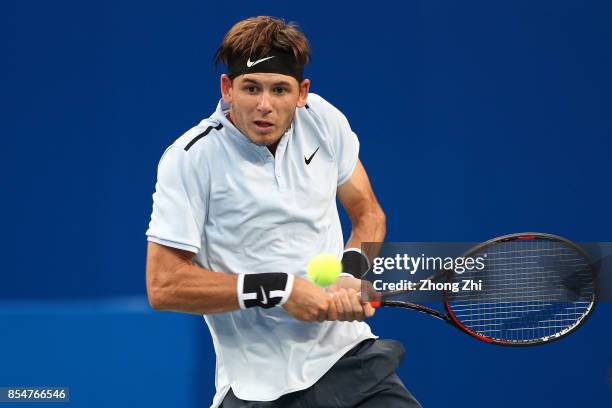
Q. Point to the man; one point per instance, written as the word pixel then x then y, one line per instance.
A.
pixel 243 201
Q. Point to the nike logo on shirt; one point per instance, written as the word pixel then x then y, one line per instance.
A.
pixel 265 298
pixel 308 160
pixel 250 64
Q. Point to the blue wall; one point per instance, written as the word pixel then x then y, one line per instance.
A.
pixel 476 119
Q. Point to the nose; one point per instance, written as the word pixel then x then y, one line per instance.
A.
pixel 264 103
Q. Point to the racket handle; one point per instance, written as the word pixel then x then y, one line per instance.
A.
pixel 375 304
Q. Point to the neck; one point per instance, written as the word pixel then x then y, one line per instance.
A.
pixel 272 147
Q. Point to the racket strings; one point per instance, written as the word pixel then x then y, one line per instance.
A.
pixel 531 290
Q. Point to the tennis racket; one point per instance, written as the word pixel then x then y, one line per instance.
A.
pixel 536 288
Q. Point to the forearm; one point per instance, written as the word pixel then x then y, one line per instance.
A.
pixel 175 284
pixel 368 225
pixel 195 290
pixel 367 218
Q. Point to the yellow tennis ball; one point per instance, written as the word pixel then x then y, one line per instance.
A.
pixel 324 269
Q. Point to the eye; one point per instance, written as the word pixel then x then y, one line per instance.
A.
pixel 279 90
pixel 251 89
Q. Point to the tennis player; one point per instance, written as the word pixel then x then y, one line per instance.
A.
pixel 243 200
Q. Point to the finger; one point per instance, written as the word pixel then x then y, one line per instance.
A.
pixel 332 311
pixel 369 310
pixel 347 306
pixel 356 305
pixel 332 288
pixel 323 311
pixel 339 306
pixel 349 282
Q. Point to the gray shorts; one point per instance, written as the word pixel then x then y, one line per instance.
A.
pixel 364 377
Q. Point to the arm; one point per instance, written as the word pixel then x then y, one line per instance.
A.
pixel 175 284
pixel 367 218
pixel 368 225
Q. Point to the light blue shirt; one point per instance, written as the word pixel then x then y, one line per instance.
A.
pixel 242 210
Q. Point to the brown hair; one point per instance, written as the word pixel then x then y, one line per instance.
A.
pixel 255 36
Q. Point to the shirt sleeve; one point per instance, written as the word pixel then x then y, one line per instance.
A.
pixel 179 202
pixel 346 147
pixel 342 140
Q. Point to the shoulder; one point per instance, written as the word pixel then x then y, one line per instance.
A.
pixel 192 148
pixel 199 138
pixel 321 109
pixel 326 116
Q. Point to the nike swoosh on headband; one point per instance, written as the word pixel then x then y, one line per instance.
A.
pixel 250 64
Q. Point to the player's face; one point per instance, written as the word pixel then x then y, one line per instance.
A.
pixel 263 104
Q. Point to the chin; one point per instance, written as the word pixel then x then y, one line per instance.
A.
pixel 266 140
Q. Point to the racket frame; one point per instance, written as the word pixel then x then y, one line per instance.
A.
pixel 450 317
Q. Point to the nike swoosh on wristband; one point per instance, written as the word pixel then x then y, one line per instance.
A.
pixel 250 64
pixel 265 298
pixel 308 160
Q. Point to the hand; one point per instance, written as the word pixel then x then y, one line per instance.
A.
pixel 346 303
pixel 308 302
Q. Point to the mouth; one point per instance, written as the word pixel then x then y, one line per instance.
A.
pixel 263 125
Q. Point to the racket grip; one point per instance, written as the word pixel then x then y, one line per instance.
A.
pixel 375 304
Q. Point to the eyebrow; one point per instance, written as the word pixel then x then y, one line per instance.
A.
pixel 279 83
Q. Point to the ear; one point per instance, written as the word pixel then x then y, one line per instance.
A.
pixel 304 88
pixel 226 88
